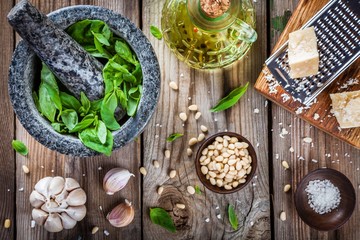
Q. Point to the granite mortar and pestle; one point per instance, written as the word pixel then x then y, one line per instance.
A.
pixel 44 38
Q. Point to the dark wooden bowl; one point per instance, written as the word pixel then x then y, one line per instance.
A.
pixel 337 217
pixel 202 177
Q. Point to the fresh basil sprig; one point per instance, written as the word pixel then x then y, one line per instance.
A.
pixel 174 136
pixel 232 217
pixel 230 99
pixel 19 147
pixel 156 32
pixel 161 217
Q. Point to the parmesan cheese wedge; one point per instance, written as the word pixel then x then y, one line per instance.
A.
pixel 346 108
pixel 303 53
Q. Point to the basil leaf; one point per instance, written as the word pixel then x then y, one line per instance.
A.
pixel 36 101
pixel 59 127
pixel 54 95
pixel 101 131
pixel 69 102
pixel 86 104
pixel 133 100
pixel 197 189
pixel 161 217
pixel 19 147
pixel 156 32
pixel 96 105
pixel 174 136
pixel 90 139
pixel 47 107
pixel 81 33
pixel 107 111
pixel 106 31
pixel 85 122
pixel 122 98
pixel 230 99
pixel 124 51
pixel 101 38
pixel 48 77
pixel 70 118
pixel 232 217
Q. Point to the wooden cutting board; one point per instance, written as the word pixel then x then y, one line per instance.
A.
pixel 326 121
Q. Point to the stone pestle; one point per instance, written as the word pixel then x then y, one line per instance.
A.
pixel 72 65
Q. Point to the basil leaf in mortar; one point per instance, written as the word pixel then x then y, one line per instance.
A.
pixel 107 111
pixel 123 50
pixel 19 147
pixel 59 127
pixel 174 136
pixel 90 139
pixel 156 32
pixel 85 122
pixel 47 107
pixel 230 99
pixel 232 217
pixel 36 101
pixel 69 118
pixel 101 131
pixel 161 217
pixel 69 102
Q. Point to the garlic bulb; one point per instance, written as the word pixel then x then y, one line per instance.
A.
pixel 58 203
pixel 122 215
pixel 116 179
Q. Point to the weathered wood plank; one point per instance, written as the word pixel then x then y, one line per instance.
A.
pixel 7 127
pixel 204 88
pixel 44 162
pixel 325 151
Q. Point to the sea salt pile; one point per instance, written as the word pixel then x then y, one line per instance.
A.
pixel 323 196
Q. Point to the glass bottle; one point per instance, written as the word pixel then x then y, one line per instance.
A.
pixel 207 39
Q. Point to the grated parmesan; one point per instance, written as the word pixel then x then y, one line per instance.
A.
pixel 323 196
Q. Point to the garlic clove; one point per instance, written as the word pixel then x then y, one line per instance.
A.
pixel 122 215
pixel 36 199
pixel 39 216
pixel 56 186
pixel 116 179
pixel 71 184
pixel 49 206
pixel 77 212
pixel 61 197
pixel 42 186
pixel 53 223
pixel 67 221
pixel 76 197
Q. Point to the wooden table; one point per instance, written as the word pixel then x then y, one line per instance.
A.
pixel 257 206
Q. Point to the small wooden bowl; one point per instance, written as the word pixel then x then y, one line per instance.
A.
pixel 337 217
pixel 202 177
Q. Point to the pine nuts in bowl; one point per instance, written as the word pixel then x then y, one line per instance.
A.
pixel 225 162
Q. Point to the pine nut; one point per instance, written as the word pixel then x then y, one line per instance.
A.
pixel 232 161
pixel 193 141
pixel 180 206
pixel 283 216
pixel 242 180
pixel 156 164
pixel 189 152
pixel 234 140
pixel 212 181
pixel 193 107
pixel 203 128
pixel 287 187
pixel 94 230
pixel 143 171
pixel 25 169
pixel 160 190
pixel 219 183
pixel 167 153
pixel 219 158
pixel 7 223
pixel 172 173
pixel 235 184
pixel 183 116
pixel 212 174
pixel 285 164
pixel 201 137
pixel 228 187
pixel 197 115
pixel 191 190
pixel 248 170
pixel 173 85
pixel 219 139
pixel 204 170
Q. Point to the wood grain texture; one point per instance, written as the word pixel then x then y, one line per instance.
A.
pixel 326 122
pixel 7 126
pixel 204 88
pixel 44 162
pixel 325 151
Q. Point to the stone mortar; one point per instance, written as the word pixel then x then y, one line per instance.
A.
pixel 25 73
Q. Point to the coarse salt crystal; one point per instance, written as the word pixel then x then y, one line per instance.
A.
pixel 323 196
pixel 256 110
pixel 283 132
pixel 316 116
pixel 32 223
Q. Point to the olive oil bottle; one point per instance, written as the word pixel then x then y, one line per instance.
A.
pixel 208 34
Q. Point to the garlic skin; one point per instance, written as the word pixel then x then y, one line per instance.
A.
pixel 122 215
pixel 58 203
pixel 116 179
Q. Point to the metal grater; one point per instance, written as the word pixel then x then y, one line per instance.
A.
pixel 337 28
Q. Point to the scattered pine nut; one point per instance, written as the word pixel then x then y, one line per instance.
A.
pixel 25 169
pixel 283 216
pixel 190 190
pixel 201 137
pixel 143 171
pixel 197 115
pixel 94 230
pixel 156 164
pixel 203 128
pixel 160 190
pixel 183 116
pixel 172 173
pixel 180 206
pixel 167 153
pixel 307 140
pixel 193 141
pixel 189 152
pixel 32 223
pixel 285 164
pixel 173 85
pixel 7 223
pixel 287 187
pixel 193 107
